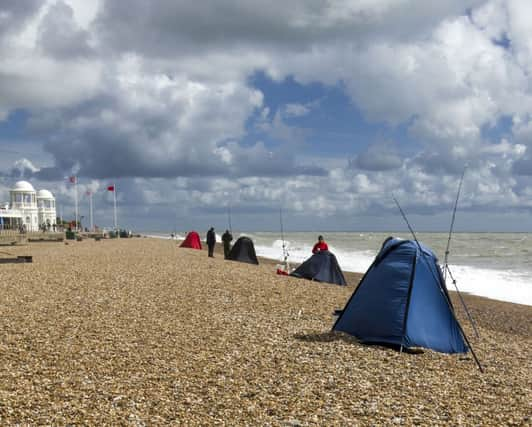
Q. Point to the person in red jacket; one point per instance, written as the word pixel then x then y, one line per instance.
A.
pixel 320 246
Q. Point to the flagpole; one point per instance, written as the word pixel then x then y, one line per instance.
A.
pixel 76 201
pixel 90 211
pixel 115 216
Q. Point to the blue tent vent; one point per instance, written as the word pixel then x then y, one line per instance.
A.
pixel 402 300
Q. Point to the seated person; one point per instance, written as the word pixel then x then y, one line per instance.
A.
pixel 320 246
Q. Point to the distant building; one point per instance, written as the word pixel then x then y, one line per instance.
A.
pixel 28 208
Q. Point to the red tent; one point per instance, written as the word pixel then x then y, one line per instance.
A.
pixel 192 241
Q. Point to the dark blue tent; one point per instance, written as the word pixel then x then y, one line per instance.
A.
pixel 402 300
pixel 323 267
pixel 243 251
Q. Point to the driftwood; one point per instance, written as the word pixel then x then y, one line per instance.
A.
pixel 19 259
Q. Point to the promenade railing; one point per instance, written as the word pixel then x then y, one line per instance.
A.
pixel 13 237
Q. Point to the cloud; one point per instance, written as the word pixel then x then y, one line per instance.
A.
pixel 154 126
pixel 150 125
pixel 380 156
pixel 14 14
pixel 442 162
pixel 523 165
pixel 160 97
pixel 258 160
pixel 23 168
pixel 182 27
pixel 60 36
pixel 296 110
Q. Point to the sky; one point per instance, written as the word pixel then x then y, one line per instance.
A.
pixel 326 109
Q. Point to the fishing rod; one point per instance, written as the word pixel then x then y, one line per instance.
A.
pixel 447 300
pixel 451 228
pixel 463 302
pixel 446 268
pixel 285 252
pixel 176 217
pixel 229 218
pixel 406 220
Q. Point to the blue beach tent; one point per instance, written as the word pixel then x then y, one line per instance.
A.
pixel 402 300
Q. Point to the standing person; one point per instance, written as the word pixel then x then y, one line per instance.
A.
pixel 211 240
pixel 227 237
pixel 320 246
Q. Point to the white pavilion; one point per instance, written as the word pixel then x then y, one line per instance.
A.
pixel 28 208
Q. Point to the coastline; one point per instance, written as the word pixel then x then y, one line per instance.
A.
pixel 493 312
pixel 140 331
pixel 353 277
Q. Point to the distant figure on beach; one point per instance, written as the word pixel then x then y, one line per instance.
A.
pixel 320 246
pixel 227 238
pixel 211 240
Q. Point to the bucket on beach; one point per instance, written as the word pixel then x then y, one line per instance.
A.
pixel 283 269
pixel 282 272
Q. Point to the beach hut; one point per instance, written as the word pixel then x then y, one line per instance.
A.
pixel 243 251
pixel 402 300
pixel 192 241
pixel 322 267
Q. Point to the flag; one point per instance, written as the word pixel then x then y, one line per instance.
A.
pixel 72 179
pixel 111 188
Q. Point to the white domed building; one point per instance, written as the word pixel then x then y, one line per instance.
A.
pixel 46 208
pixel 28 208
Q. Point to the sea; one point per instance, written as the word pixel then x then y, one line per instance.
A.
pixel 492 265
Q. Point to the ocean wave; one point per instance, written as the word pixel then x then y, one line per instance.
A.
pixel 504 285
pixel 163 236
pixel 511 286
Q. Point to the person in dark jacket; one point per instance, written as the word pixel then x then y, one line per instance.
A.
pixel 211 241
pixel 227 238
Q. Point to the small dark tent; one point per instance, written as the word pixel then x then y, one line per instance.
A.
pixel 243 251
pixel 402 300
pixel 192 241
pixel 323 267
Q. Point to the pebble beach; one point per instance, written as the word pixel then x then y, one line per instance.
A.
pixel 140 332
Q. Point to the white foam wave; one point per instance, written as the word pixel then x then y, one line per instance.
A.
pixel 510 286
pixel 501 285
pixel 163 236
pixel 354 261
pixel 496 283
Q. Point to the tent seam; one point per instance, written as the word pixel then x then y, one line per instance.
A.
pixel 409 295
